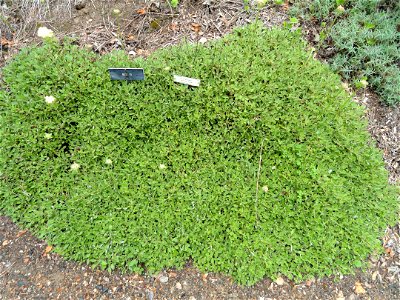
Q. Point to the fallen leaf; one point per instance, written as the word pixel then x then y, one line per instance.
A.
pixel 131 37
pixel 21 233
pixel 204 277
pixel 142 52
pixel 309 283
pixel 5 243
pixel 389 251
pixel 141 11
pixel 26 260
pixel 358 288
pixel 196 27
pixel 5 42
pixel 172 274
pixel 155 24
pixel 48 249
pixel 279 281
pixel 286 5
pixel 173 26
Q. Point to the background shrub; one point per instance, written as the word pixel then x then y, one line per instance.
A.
pixel 265 169
pixel 366 40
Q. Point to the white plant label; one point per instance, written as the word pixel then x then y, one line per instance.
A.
pixel 187 80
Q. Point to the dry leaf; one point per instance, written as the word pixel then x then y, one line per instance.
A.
pixel 5 243
pixel 173 26
pixel 21 233
pixel 155 24
pixel 309 283
pixel 389 251
pixel 285 5
pixel 172 274
pixel 142 52
pixel 196 27
pixel 279 281
pixel 48 249
pixel 358 288
pixel 131 37
pixel 141 11
pixel 5 42
pixel 204 277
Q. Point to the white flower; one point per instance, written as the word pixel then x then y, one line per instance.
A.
pixel 364 83
pixel 45 32
pixel 49 99
pixel 340 8
pixel 162 166
pixel 48 136
pixel 261 3
pixel 109 161
pixel 75 166
pixel 265 188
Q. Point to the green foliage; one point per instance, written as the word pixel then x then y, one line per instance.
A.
pixel 366 39
pixel 368 46
pixel 150 174
pixel 174 3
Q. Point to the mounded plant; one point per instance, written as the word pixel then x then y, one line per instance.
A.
pixel 266 169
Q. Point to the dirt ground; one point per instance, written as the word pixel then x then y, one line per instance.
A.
pixel 29 269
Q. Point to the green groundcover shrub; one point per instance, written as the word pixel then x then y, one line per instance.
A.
pixel 265 169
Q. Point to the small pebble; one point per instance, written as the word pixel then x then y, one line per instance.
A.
pixel 149 295
pixel 203 40
pixel 178 285
pixel 163 279
pixel 279 281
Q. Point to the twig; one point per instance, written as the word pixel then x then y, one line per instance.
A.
pixel 8 269
pixel 258 180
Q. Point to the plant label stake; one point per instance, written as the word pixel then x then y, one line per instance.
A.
pixel 128 74
pixel 186 80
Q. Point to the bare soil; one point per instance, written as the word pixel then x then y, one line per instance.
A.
pixel 29 269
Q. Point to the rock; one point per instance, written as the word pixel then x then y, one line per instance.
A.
pixel 163 279
pixel 80 4
pixel 374 275
pixel 358 288
pixel 340 296
pixel 192 298
pixel 352 297
pixel 132 53
pixel 149 295
pixel 178 285
pixel 279 281
pixel 203 40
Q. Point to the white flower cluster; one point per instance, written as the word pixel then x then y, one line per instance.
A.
pixel 75 166
pixel 45 32
pixel 49 99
